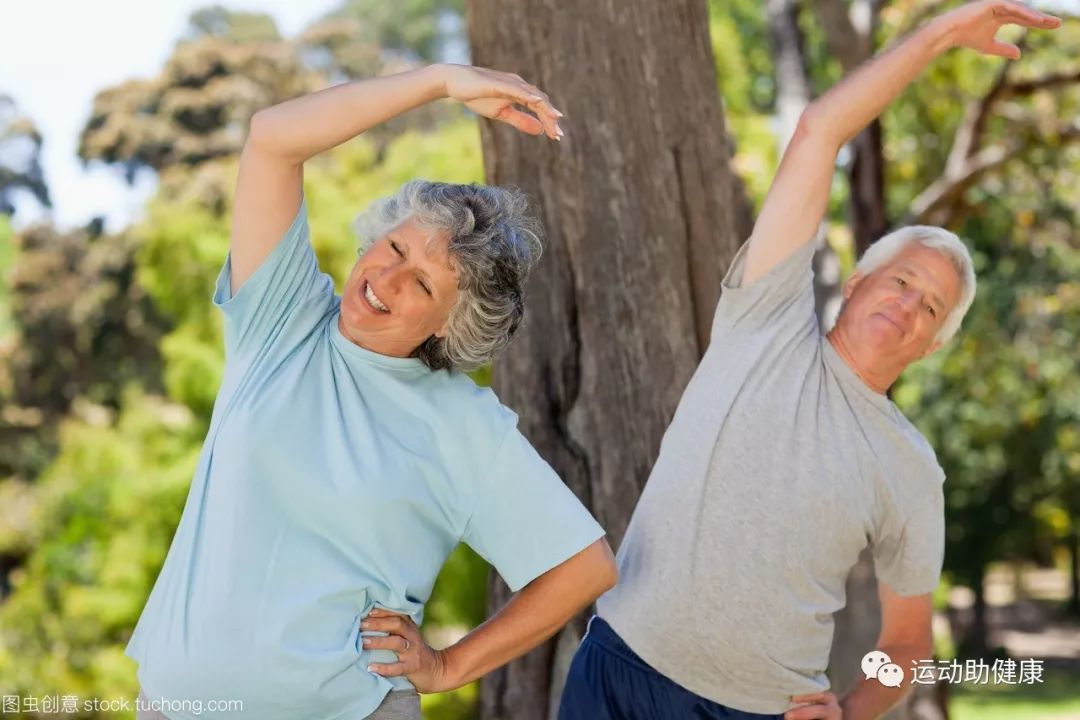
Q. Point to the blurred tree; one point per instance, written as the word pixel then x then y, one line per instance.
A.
pixel 83 328
pixel 657 135
pixel 20 157
pixel 241 27
pixel 198 107
pixel 422 30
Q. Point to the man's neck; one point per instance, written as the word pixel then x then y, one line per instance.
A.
pixel 879 382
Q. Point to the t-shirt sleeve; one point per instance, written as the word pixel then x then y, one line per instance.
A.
pixel 287 288
pixel 908 555
pixel 526 520
pixel 784 294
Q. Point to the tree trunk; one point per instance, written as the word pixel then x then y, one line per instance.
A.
pixel 1074 573
pixel 642 215
pixel 866 178
pixel 975 641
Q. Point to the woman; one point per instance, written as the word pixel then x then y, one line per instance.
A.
pixel 347 454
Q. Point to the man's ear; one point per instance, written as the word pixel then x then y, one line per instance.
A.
pixel 852 282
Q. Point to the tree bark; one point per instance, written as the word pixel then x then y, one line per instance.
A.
pixel 643 215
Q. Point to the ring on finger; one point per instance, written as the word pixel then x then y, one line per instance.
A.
pixel 408 644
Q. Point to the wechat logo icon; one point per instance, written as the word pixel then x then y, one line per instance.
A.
pixel 879 666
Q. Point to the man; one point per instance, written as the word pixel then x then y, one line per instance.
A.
pixel 786 458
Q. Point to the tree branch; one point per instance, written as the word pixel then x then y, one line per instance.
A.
pixel 928 208
pixel 849 44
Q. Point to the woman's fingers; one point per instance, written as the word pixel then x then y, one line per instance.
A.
pixel 395 643
pixel 388 669
pixel 389 622
pixel 522 121
pixel 539 103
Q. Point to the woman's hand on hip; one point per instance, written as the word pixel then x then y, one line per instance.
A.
pixel 494 94
pixel 421 664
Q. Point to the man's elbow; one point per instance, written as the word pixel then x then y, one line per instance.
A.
pixel 607 574
pixel 610 577
pixel 815 126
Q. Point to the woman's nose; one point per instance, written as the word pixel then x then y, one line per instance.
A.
pixel 392 275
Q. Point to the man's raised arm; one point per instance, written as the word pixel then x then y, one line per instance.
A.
pixel 796 201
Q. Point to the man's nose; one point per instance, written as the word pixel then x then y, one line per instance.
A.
pixel 910 300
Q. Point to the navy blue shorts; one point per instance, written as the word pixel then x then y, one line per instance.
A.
pixel 608 681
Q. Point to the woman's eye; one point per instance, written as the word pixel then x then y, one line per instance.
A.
pixel 424 287
pixel 901 282
pixel 394 245
pixel 932 311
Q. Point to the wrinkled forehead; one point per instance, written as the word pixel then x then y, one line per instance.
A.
pixel 930 266
pixel 432 241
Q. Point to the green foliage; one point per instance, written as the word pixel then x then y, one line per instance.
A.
pixel 7 259
pixel 83 328
pixel 239 26
pixel 107 509
pixel 1056 698
pixel 415 27
pixel 740 44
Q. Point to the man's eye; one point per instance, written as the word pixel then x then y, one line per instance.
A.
pixel 901 282
pixel 933 312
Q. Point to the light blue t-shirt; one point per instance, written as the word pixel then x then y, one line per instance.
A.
pixel 332 480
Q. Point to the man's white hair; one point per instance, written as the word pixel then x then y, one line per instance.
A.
pixel 889 246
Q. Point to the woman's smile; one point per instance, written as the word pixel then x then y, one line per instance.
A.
pixel 371 300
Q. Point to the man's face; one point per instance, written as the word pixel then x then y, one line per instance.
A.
pixel 896 311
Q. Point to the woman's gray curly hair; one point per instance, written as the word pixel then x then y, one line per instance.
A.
pixel 494 243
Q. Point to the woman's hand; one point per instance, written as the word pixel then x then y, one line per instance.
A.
pixel 494 94
pixel 422 665
pixel 975 25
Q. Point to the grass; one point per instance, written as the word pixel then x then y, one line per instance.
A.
pixel 1057 698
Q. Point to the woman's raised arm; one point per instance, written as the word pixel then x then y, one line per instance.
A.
pixel 282 137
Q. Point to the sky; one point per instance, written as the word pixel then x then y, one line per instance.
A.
pixel 55 55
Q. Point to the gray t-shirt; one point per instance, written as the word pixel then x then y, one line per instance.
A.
pixel 779 467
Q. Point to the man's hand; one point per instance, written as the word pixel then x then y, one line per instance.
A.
pixel 816 706
pixel 424 666
pixel 975 25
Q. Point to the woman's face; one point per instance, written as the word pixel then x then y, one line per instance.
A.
pixel 400 291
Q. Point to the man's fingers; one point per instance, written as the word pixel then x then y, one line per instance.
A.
pixel 820 705
pixel 1005 50
pixel 1028 17
pixel 819 697
pixel 387 669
